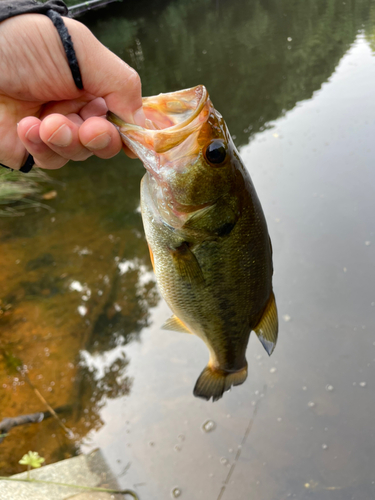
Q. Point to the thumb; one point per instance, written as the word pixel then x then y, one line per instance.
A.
pixel 106 75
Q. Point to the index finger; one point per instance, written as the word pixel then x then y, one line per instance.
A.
pixel 106 75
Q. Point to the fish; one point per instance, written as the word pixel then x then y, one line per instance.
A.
pixel 206 231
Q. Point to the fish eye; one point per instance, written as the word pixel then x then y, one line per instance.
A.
pixel 216 152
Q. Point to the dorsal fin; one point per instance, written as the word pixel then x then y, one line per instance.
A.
pixel 175 324
pixel 268 326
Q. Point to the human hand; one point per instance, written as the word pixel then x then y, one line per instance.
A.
pixel 56 121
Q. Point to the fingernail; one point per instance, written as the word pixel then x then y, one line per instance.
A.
pixel 99 142
pixel 62 137
pixel 139 117
pixel 32 134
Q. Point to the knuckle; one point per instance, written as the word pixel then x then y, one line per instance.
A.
pixel 134 80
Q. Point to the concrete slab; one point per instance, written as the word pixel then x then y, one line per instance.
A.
pixel 84 470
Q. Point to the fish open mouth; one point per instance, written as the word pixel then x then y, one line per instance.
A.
pixel 170 120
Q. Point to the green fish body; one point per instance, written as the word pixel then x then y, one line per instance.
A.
pixel 206 231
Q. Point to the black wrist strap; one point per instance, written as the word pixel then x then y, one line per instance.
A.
pixel 53 9
pixel 68 46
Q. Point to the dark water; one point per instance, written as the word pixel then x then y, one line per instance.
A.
pixel 79 304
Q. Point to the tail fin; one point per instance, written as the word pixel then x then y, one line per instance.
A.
pixel 213 383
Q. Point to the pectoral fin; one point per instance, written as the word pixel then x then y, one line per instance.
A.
pixel 268 326
pixel 187 264
pixel 217 220
pixel 176 325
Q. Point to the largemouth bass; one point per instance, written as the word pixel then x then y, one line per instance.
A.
pixel 206 231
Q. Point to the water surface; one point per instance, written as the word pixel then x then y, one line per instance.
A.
pixel 79 303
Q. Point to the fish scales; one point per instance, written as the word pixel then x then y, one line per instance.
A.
pixel 207 235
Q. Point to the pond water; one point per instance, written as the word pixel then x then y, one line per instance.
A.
pixel 80 314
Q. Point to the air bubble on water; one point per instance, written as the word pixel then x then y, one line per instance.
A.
pixel 289 38
pixel 223 461
pixel 209 426
pixel 176 492
pixel 273 370
pixel 279 419
pixel 286 318
pixel 177 448
pixel 363 384
pixel 304 388
pixel 256 393
pixel 230 450
pixel 311 404
pixel 367 243
pixel 329 388
pixel 324 446
pixel 181 437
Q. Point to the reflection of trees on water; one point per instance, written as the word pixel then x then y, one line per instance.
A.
pixel 256 58
pixel 370 28
pixel 99 371
pixel 95 388
pixel 94 259
pixel 125 312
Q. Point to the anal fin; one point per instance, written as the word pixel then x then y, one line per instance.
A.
pixel 268 326
pixel 176 325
